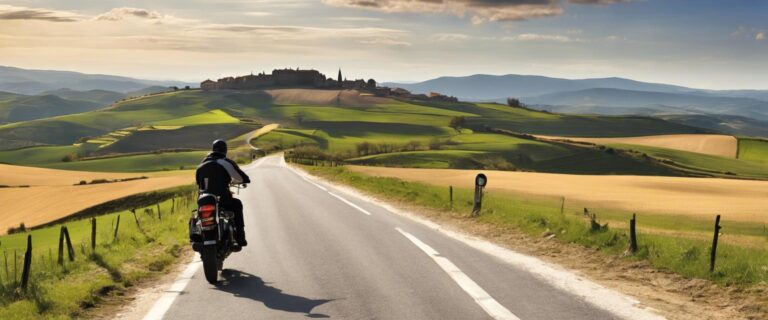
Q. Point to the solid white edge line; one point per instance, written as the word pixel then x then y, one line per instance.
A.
pixel 349 203
pixel 315 184
pixel 166 300
pixel 481 297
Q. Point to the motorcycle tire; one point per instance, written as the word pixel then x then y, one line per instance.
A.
pixel 210 265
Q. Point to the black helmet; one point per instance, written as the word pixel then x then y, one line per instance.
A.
pixel 220 146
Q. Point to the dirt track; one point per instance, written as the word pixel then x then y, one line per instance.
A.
pixel 712 144
pixel 740 200
pixel 52 195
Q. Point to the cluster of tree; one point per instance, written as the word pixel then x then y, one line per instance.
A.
pixel 457 122
pixel 366 148
pixel 515 103
pixel 21 228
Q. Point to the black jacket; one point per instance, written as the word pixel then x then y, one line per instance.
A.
pixel 215 174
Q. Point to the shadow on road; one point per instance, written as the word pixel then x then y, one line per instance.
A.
pixel 245 285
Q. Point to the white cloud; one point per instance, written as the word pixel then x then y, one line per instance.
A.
pixel 355 19
pixel 760 36
pixel 8 12
pixel 540 37
pixel 259 13
pixel 450 37
pixel 126 13
pixel 479 10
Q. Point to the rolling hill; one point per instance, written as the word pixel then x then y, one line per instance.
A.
pixel 22 108
pixel 134 134
pixel 741 112
pixel 37 81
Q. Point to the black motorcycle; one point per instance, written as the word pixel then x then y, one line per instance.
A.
pixel 212 233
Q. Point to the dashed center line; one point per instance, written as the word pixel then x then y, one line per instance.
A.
pixel 481 297
pixel 349 203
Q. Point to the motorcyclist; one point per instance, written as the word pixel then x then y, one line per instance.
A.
pixel 214 176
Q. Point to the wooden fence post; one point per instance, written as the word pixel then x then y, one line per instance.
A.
pixel 450 195
pixel 7 274
pixel 27 263
pixel 70 249
pixel 117 227
pixel 133 211
pixel 632 235
pixel 562 205
pixel 159 217
pixel 60 258
pixel 713 254
pixel 93 234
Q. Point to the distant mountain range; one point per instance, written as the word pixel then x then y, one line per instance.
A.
pixel 743 112
pixel 32 82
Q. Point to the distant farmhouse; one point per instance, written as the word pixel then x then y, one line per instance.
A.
pixel 290 78
pixel 282 78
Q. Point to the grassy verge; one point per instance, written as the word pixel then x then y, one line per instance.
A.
pixel 737 264
pixel 67 291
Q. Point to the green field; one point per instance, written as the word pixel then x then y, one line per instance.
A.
pixel 707 163
pixel 136 163
pixel 753 150
pixel 211 117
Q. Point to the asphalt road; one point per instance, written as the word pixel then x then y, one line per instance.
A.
pixel 316 251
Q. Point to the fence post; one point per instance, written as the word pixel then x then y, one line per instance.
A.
pixel 133 211
pixel 562 205
pixel 93 234
pixel 60 259
pixel 713 254
pixel 27 263
pixel 450 195
pixel 632 235
pixel 117 227
pixel 159 217
pixel 7 274
pixel 70 249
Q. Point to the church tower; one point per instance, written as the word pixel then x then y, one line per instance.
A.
pixel 340 82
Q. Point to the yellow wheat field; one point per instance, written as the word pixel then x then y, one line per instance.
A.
pixel 741 200
pixel 712 144
pixel 52 194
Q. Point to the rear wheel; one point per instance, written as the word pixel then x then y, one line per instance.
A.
pixel 210 265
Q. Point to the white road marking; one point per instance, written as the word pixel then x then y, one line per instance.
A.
pixel 164 303
pixel 349 203
pixel 481 297
pixel 313 183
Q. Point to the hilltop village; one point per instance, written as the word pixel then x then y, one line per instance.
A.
pixel 290 78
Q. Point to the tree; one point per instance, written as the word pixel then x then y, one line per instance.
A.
pixel 514 102
pixel 457 122
pixel 299 116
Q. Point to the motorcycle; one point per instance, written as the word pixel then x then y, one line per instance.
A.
pixel 212 233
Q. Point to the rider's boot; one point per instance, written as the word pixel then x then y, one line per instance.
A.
pixel 240 238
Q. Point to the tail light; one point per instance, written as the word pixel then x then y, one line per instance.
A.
pixel 207 215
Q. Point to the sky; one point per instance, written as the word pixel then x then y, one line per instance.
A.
pixel 697 43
